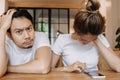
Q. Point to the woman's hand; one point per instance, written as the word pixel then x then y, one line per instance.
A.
pixel 6 19
pixel 77 66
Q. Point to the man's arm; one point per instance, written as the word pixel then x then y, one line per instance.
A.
pixel 5 21
pixel 3 56
pixel 41 63
pixel 109 55
pixel 55 59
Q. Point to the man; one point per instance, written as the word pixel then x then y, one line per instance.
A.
pixel 23 50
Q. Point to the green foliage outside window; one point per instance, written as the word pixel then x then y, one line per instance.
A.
pixel 42 27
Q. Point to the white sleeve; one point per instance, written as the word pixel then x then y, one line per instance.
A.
pixel 42 40
pixel 58 45
pixel 8 46
pixel 103 40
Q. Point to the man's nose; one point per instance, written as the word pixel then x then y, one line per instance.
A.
pixel 26 35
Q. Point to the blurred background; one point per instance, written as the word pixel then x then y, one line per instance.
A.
pixel 56 17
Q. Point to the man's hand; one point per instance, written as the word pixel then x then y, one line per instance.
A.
pixel 5 19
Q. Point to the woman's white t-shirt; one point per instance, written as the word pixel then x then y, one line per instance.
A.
pixel 72 51
pixel 18 55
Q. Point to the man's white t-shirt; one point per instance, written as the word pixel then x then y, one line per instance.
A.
pixel 18 55
pixel 72 51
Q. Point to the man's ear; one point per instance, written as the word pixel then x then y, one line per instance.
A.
pixel 9 35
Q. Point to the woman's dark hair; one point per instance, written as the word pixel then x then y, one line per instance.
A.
pixel 89 20
pixel 22 13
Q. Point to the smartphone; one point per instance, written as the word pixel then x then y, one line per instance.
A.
pixel 95 74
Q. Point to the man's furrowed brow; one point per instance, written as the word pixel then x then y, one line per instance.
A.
pixel 18 29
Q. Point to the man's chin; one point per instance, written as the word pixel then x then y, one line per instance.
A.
pixel 27 47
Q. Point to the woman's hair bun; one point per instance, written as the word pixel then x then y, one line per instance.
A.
pixel 93 5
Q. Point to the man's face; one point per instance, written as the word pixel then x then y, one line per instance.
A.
pixel 22 32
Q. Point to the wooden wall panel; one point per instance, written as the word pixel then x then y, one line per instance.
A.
pixel 3 6
pixel 47 3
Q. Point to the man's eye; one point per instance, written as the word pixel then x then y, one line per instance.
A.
pixel 18 32
pixel 29 28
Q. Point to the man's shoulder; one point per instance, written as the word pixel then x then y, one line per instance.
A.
pixel 41 39
pixel 8 40
pixel 39 33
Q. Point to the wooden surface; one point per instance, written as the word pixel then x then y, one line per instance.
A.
pixel 110 75
pixel 47 3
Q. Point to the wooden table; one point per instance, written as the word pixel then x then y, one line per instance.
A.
pixel 110 75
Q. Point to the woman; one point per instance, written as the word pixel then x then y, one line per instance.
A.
pixel 80 50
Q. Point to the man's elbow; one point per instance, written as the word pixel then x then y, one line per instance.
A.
pixel 44 70
pixel 1 74
pixel 117 69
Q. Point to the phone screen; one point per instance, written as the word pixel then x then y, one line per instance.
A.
pixel 94 74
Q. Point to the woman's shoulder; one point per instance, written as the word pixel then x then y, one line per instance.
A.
pixel 65 36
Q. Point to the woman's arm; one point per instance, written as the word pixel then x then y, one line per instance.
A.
pixel 112 59
pixel 77 66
